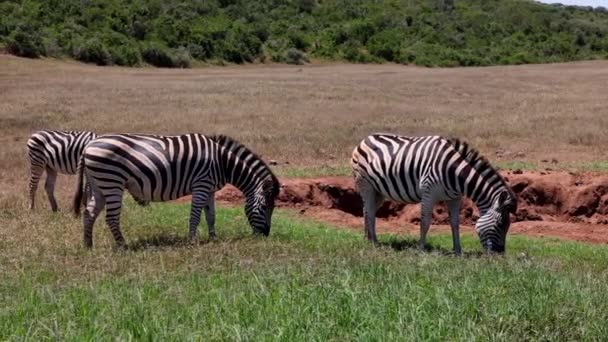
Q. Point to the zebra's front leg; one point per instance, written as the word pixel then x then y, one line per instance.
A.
pixel 454 213
pixel 210 216
pixel 199 200
pixel 35 174
pixel 49 187
pixel 426 212
pixel 113 201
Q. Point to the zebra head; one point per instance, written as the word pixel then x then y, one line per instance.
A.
pixel 494 223
pixel 259 205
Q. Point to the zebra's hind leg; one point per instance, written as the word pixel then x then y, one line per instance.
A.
pixel 200 198
pixel 49 187
pixel 113 200
pixel 210 216
pixel 95 204
pixel 371 201
pixel 454 213
pixel 35 174
pixel 426 212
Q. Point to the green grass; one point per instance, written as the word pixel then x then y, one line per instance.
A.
pixel 307 281
pixel 289 171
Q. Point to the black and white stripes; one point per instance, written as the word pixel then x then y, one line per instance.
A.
pixel 54 152
pixel 163 168
pixel 427 170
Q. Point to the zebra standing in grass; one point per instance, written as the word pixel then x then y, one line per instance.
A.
pixel 427 170
pixel 55 152
pixel 163 168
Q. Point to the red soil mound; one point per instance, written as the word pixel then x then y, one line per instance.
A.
pixel 573 206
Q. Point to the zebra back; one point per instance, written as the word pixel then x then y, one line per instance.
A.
pixel 58 150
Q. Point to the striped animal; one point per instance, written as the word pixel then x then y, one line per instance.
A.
pixel 427 170
pixel 163 168
pixel 55 152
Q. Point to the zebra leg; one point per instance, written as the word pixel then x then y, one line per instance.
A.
pixel 454 213
pixel 140 201
pixel 210 217
pixel 426 206
pixel 96 203
pixel 371 201
pixel 113 207
pixel 35 174
pixel 199 200
pixel 49 187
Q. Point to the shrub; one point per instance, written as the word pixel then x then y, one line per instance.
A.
pixel 126 55
pixel 182 58
pixel 92 51
pixel 241 45
pixel 307 5
pixel 161 56
pixel 295 56
pixel 158 55
pixel 25 42
pixel 355 52
pixel 385 44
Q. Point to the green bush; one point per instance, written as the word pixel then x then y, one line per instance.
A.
pixel 172 33
pixel 386 44
pixel 182 58
pixel 25 43
pixel 158 55
pixel 295 56
pixel 241 45
pixel 126 55
pixel 92 51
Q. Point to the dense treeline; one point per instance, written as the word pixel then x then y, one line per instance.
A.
pixel 173 33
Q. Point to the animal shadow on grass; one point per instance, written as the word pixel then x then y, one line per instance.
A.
pixel 412 244
pixel 163 240
pixel 173 240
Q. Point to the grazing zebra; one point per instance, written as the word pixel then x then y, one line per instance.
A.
pixel 163 168
pixel 427 170
pixel 55 152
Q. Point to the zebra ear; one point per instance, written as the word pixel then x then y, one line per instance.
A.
pixel 505 202
pixel 511 206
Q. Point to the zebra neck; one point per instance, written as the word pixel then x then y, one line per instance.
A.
pixel 241 174
pixel 482 187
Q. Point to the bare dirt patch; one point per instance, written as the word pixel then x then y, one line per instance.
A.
pixel 558 204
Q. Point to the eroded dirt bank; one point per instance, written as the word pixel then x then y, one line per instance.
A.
pixel 561 204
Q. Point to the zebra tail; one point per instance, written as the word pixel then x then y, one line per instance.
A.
pixel 78 196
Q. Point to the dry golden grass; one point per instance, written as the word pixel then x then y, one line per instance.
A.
pixel 312 115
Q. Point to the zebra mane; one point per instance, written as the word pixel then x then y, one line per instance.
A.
pixel 476 160
pixel 233 145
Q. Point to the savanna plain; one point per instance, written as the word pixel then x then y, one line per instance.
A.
pixel 311 279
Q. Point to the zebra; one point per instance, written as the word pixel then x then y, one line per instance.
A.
pixel 162 168
pixel 55 152
pixel 426 170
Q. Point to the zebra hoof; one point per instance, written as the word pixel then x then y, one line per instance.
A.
pixel 121 247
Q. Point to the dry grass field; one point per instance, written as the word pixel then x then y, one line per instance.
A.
pixel 312 115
